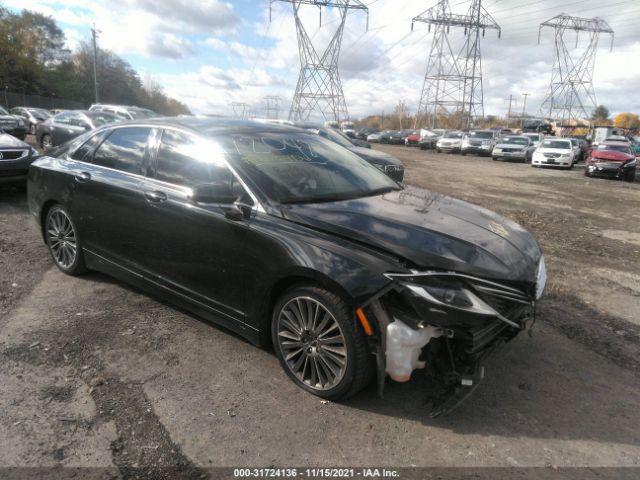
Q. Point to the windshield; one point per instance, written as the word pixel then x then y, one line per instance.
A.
pixel 481 134
pixel 453 135
pixel 335 136
pixel 102 118
pixel 40 111
pixel 617 148
pixel 516 140
pixel 304 168
pixel 534 137
pixel 137 114
pixel 561 144
pixel 3 111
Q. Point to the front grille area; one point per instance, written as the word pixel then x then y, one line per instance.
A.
pixel 551 155
pixel 12 154
pixel 512 150
pixel 396 172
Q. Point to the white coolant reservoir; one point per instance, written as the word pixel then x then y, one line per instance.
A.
pixel 403 348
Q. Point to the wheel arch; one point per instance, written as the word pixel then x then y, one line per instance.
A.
pixel 46 206
pixel 298 276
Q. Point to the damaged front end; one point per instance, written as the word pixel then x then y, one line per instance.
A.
pixel 449 323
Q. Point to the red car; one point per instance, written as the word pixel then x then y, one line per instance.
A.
pixel 612 159
pixel 412 139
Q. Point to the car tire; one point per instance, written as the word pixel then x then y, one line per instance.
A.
pixel 46 142
pixel 630 176
pixel 294 344
pixel 494 158
pixel 63 241
pixel 438 150
pixel 32 130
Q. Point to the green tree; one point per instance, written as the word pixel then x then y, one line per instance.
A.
pixel 600 114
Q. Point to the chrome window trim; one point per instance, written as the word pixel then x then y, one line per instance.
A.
pixel 155 136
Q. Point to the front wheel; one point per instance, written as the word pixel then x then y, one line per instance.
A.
pixel 630 176
pixel 63 242
pixel 319 344
pixel 46 142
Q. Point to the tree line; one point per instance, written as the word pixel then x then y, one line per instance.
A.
pixel 34 60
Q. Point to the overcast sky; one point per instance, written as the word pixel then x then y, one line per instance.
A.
pixel 211 53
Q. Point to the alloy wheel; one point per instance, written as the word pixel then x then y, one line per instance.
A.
pixel 312 343
pixel 61 237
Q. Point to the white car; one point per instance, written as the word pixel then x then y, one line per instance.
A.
pixel 514 147
pixel 554 152
pixel 536 138
pixel 374 137
pixel 450 142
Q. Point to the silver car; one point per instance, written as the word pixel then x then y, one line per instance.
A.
pixel 514 147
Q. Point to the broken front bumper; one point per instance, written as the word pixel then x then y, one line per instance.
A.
pixel 448 323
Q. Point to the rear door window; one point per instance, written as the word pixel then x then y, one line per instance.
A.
pixel 124 150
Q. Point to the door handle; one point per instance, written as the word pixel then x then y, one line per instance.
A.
pixel 155 196
pixel 83 177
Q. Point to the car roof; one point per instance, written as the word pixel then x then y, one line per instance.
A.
pixel 211 126
pixel 617 143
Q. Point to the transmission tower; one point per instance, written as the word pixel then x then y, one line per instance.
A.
pixel 272 106
pixel 319 88
pixel 240 109
pixel 571 94
pixel 453 81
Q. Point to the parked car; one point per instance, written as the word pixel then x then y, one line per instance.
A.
pixel 363 133
pixel 429 138
pixel 31 116
pixel 385 136
pixel 478 141
pixel 413 139
pixel 635 145
pixel 15 158
pixel 286 238
pixel 384 162
pixel 581 149
pixel 612 159
pixel 12 124
pixel 125 112
pixel 554 152
pixel 451 141
pixel 374 137
pixel 514 147
pixel 537 125
pixel 536 138
pixel 348 129
pixel 69 124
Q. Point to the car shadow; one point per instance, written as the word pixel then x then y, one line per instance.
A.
pixel 545 385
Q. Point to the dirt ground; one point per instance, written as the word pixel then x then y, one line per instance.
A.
pixel 94 373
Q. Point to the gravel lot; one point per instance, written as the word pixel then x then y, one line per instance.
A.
pixel 94 373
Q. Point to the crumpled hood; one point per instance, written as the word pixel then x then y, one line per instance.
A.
pixel 375 156
pixel 429 231
pixel 9 141
pixel 610 156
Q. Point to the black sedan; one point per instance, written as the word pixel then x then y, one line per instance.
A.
pixel 15 158
pixel 69 124
pixel 12 124
pixel 285 237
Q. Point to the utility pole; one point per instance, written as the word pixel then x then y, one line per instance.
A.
pixel 94 35
pixel 272 106
pixel 510 99
pixel 524 106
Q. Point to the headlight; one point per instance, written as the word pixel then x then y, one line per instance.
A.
pixel 450 294
pixel 541 279
pixel 21 122
pixel 565 155
pixel 497 150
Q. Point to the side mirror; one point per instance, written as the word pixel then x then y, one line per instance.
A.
pixel 220 193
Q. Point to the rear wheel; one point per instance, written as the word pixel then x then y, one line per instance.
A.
pixel 63 242
pixel 319 343
pixel 46 142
